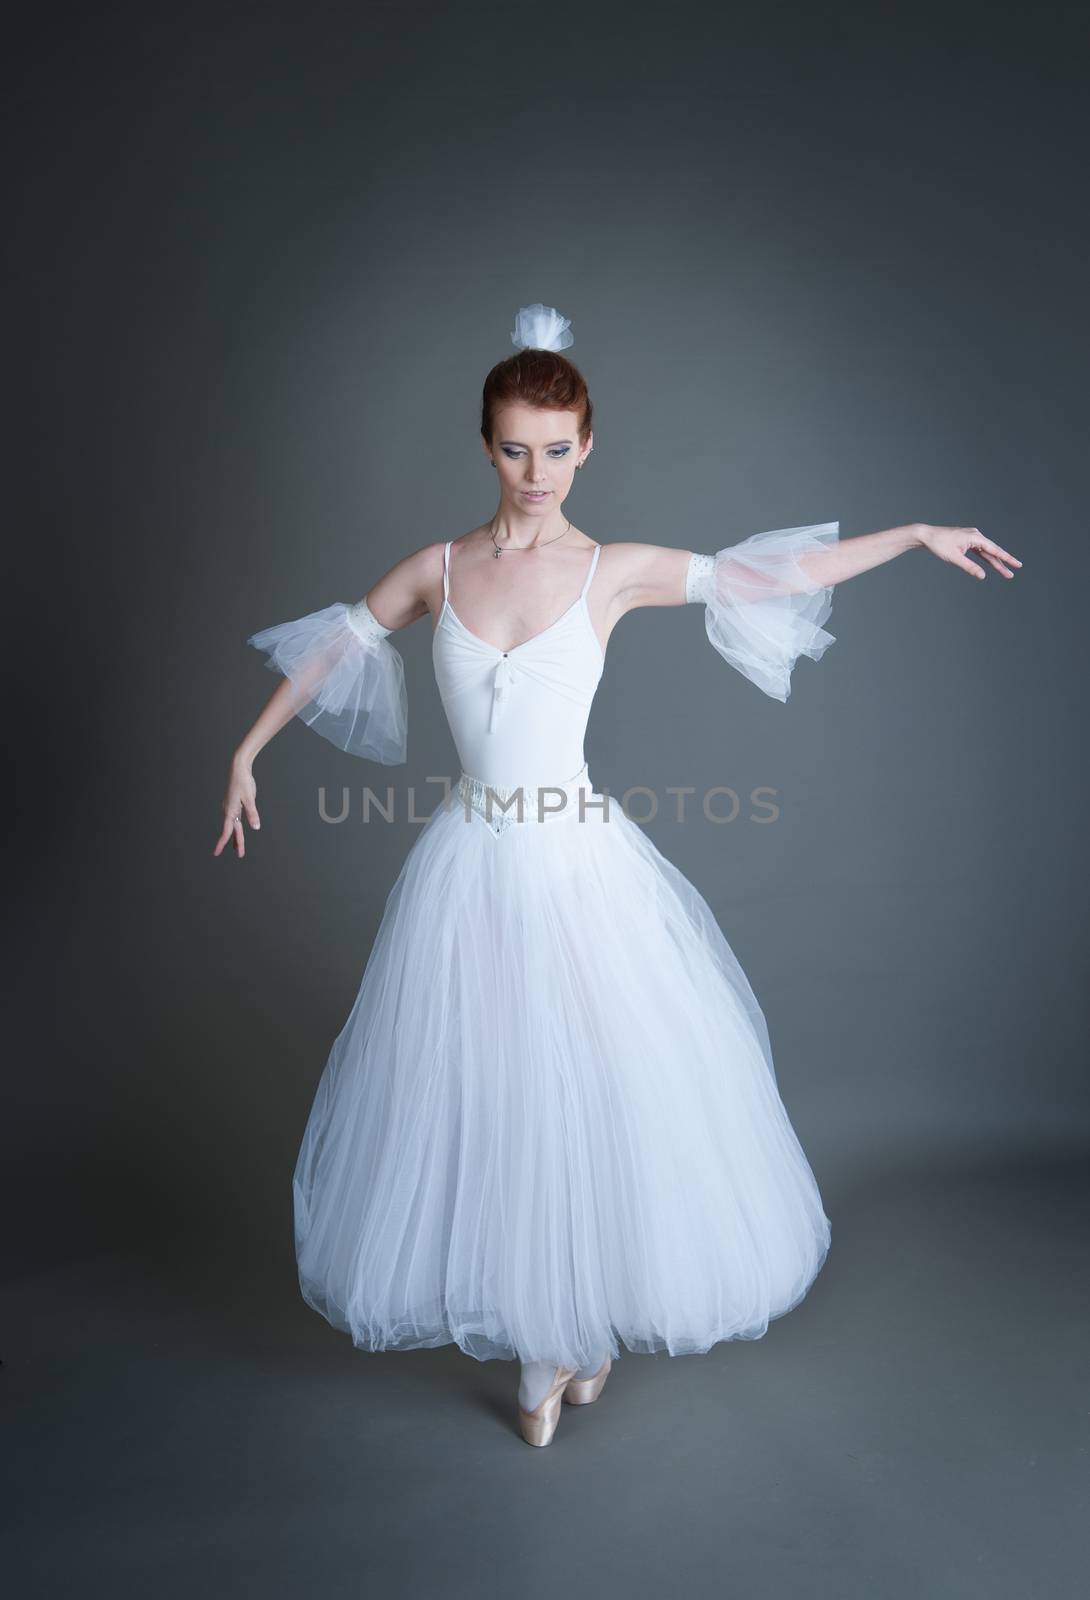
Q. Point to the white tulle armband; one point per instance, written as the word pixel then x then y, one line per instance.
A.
pixel 349 679
pixel 764 605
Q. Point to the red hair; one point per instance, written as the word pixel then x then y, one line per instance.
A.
pixel 540 378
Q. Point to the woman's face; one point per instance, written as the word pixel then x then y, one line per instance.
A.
pixel 536 453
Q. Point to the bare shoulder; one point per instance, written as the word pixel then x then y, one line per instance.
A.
pixel 644 574
pixel 407 590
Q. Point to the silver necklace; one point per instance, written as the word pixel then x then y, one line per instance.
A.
pixel 497 551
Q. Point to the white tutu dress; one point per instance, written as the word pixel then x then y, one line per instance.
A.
pixel 550 1124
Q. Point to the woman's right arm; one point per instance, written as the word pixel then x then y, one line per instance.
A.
pixel 342 677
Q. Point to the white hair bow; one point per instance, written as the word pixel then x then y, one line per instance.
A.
pixel 541 327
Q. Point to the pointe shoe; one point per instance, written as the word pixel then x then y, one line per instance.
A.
pixel 539 1425
pixel 581 1391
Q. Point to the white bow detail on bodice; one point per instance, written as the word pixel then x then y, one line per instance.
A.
pixel 502 680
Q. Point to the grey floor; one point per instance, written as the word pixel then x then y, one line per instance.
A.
pixel 916 1427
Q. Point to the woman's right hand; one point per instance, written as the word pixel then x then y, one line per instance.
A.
pixel 239 800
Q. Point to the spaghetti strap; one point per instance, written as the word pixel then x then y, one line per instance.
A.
pixel 446 569
pixel 590 571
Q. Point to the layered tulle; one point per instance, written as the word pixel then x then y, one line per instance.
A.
pixel 349 680
pixel 765 602
pixel 550 1124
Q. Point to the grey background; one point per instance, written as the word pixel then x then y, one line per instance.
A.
pixel 820 265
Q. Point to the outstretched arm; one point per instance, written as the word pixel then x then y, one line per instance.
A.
pixel 655 575
pixel 848 557
pixel 767 597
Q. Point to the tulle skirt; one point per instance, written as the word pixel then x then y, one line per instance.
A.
pixel 550 1125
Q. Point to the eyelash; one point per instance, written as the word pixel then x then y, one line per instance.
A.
pixel 557 455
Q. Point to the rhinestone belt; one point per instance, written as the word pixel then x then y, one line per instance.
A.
pixel 547 802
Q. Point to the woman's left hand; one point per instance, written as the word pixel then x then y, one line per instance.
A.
pixel 951 544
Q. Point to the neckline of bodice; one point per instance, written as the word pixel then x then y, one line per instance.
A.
pixel 580 602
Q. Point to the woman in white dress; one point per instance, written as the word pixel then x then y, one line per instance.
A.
pixel 550 1125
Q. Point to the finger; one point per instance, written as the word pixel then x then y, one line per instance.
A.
pixel 998 565
pixel 972 566
pixel 989 547
pixel 252 816
pixel 240 838
pixel 228 830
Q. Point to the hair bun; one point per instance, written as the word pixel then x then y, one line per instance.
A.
pixel 539 327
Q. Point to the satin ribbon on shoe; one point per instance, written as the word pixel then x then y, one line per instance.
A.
pixel 499 806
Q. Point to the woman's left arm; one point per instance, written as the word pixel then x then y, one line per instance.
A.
pixel 767 597
pixel 790 560
pixel 848 557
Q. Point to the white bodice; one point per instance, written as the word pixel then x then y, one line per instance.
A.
pixel 519 716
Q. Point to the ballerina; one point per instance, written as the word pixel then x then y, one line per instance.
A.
pixel 550 1125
